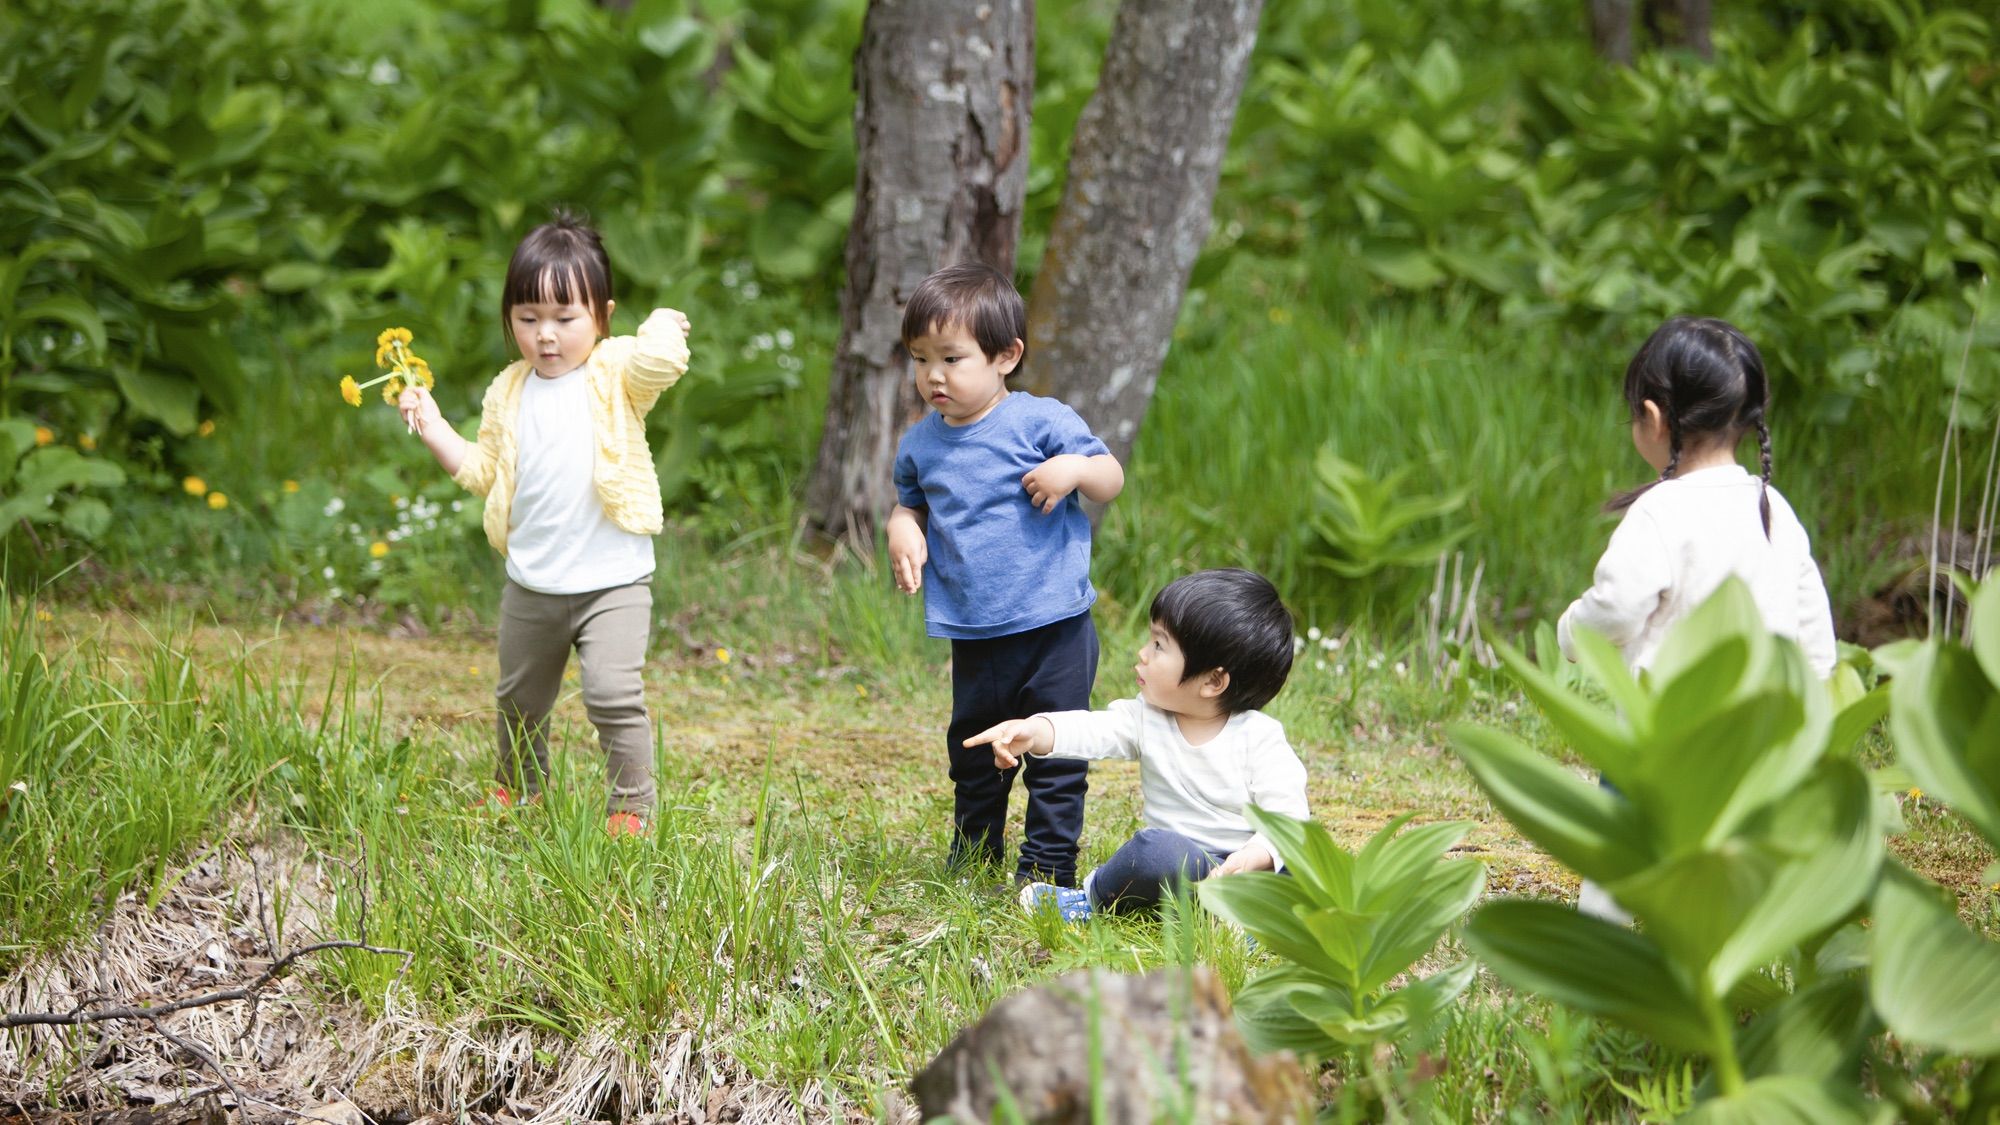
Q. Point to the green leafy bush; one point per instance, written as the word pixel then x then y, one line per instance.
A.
pixel 1740 836
pixel 1347 925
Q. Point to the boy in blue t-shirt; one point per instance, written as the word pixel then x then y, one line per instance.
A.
pixel 987 525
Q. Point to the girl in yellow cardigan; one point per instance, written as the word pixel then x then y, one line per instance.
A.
pixel 572 502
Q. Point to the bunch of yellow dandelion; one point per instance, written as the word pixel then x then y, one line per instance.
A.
pixel 406 369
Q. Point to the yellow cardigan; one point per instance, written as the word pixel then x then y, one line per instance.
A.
pixel 626 374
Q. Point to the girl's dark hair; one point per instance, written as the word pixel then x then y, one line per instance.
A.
pixel 560 262
pixel 1708 381
pixel 972 294
pixel 1233 620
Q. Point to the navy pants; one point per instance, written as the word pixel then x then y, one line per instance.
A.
pixel 994 679
pixel 1143 873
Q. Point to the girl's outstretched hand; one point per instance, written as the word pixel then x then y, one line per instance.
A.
pixel 418 408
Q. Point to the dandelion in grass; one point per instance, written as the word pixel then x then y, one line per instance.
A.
pixel 194 486
pixel 290 487
pixel 722 656
pixel 44 616
pixel 44 435
pixel 217 501
pixel 206 429
pixel 377 549
pixel 86 442
pixel 1916 794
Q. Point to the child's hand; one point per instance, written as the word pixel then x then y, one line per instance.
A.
pixel 1249 857
pixel 1014 738
pixel 907 554
pixel 1053 480
pixel 418 408
pixel 674 316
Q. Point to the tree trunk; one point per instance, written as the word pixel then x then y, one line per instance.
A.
pixel 942 92
pixel 1135 211
pixel 1611 29
pixel 1688 26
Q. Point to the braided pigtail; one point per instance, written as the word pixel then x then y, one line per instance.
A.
pixel 1764 486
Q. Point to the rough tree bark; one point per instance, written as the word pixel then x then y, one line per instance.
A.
pixel 942 93
pixel 1671 23
pixel 1135 210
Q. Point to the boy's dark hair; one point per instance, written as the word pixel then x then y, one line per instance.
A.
pixel 1234 620
pixel 1708 380
pixel 560 262
pixel 972 294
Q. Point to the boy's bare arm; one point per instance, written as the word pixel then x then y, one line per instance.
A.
pixel 907 549
pixel 1099 477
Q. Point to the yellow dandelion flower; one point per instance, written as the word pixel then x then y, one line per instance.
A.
pixel 1916 794
pixel 392 390
pixel 377 549
pixel 44 435
pixel 861 690
pixel 86 442
pixel 393 335
pixel 1280 315
pixel 44 616
pixel 472 670
pixel 350 390
pixel 206 429
pixel 290 486
pixel 722 656
pixel 217 501
pixel 194 486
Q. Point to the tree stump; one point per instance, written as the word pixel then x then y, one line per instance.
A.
pixel 1161 1047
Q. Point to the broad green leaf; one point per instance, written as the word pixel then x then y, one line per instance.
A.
pixel 1345 938
pixel 1692 902
pixel 1816 1033
pixel 1854 720
pixel 1606 667
pixel 1832 829
pixel 1785 1099
pixel 1933 981
pixel 1985 611
pixel 1941 708
pixel 1411 929
pixel 1421 1001
pixel 1266 905
pixel 168 399
pixel 1390 862
pixel 1310 855
pixel 1598 737
pixel 1591 965
pixel 1580 824
pixel 1729 612
pixel 1270 1022
pixel 1701 780
pixel 87 517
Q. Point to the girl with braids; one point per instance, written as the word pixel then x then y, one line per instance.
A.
pixel 1695 389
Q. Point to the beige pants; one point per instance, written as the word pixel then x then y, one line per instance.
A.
pixel 608 629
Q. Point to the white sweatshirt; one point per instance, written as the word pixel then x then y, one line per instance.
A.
pixel 1677 544
pixel 1197 791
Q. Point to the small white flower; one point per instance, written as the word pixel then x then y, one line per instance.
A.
pixel 333 507
pixel 457 505
pixel 1298 643
pixel 384 73
pixel 1374 662
pixel 1328 644
pixel 326 573
pixel 1402 669
pixel 1340 669
pixel 1313 633
pixel 785 338
pixel 1510 707
pixel 1320 664
pixel 751 291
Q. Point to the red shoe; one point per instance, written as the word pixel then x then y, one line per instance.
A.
pixel 500 796
pixel 625 824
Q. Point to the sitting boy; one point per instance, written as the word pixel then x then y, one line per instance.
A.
pixel 1220 647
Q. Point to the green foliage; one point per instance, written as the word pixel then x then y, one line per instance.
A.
pixel 1739 835
pixel 1808 187
pixel 1347 924
pixel 1370 524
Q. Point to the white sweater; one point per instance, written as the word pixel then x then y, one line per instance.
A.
pixel 1197 791
pixel 1677 544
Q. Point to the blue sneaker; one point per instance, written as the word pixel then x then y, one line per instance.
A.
pixel 1071 904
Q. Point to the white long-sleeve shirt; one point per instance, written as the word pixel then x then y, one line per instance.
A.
pixel 1678 542
pixel 1197 791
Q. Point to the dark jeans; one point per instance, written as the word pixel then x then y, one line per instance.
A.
pixel 1143 873
pixel 995 679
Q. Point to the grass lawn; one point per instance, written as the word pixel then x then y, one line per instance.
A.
pixel 787 942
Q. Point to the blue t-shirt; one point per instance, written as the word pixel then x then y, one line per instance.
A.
pixel 997 565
